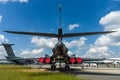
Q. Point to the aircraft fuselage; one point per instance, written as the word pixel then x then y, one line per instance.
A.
pixel 60 50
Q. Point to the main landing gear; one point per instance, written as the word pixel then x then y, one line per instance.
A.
pixel 67 67
pixel 53 67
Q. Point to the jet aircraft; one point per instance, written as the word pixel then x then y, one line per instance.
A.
pixel 60 51
pixel 14 59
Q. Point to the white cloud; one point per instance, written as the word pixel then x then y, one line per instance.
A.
pixel 44 42
pixel 1 18
pixel 32 52
pixel 2 52
pixel 4 1
pixel 3 39
pixel 72 26
pixel 110 22
pixel 98 51
pixel 70 52
pixel 109 40
pixel 76 43
pixel 21 1
pixel 101 47
pixel 116 0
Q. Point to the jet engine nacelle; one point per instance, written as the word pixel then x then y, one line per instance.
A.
pixel 46 60
pixel 72 60
pixel 41 59
pixel 77 60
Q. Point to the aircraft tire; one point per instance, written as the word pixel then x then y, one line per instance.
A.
pixel 53 67
pixel 67 67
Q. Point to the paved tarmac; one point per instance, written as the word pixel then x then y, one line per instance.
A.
pixel 97 73
pixel 94 73
pixel 91 73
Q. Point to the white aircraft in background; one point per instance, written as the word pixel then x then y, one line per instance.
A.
pixel 115 60
pixel 106 61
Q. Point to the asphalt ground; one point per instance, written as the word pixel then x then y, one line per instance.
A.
pixel 97 73
pixel 88 73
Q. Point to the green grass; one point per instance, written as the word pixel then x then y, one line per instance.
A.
pixel 13 72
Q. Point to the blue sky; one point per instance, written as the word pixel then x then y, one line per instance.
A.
pixel 43 16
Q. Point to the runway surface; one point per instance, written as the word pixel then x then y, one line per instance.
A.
pixel 92 73
pixel 97 73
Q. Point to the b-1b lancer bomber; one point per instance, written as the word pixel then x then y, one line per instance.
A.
pixel 60 51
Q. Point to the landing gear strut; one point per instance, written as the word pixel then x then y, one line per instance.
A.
pixel 53 67
pixel 67 67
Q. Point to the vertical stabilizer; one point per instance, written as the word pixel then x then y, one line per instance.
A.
pixel 9 50
pixel 60 26
pixel 60 8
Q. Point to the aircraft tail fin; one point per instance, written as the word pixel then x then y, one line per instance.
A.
pixel 9 50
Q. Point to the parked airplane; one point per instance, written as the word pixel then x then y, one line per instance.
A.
pixel 60 51
pixel 5 62
pixel 109 61
pixel 116 61
pixel 103 61
pixel 13 59
pixel 106 61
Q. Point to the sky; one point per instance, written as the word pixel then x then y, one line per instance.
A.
pixel 77 16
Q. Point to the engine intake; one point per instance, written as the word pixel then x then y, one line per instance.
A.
pixel 47 60
pixel 79 60
pixel 41 60
pixel 72 60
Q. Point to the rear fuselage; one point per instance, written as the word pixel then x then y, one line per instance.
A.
pixel 60 48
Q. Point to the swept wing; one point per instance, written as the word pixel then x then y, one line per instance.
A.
pixel 57 35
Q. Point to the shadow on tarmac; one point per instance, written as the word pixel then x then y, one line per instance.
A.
pixel 82 72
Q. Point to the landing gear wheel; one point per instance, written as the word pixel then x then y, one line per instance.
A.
pixel 67 67
pixel 53 67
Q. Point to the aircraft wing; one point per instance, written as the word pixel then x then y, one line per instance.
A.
pixel 56 35
pixel 3 59
pixel 84 59
pixel 10 59
pixel 34 33
pixel 92 59
pixel 85 34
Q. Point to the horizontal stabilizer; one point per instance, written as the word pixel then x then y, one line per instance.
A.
pixel 85 34
pixel 6 44
pixel 34 33
pixel 57 35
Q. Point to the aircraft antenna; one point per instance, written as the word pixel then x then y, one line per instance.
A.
pixel 60 7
